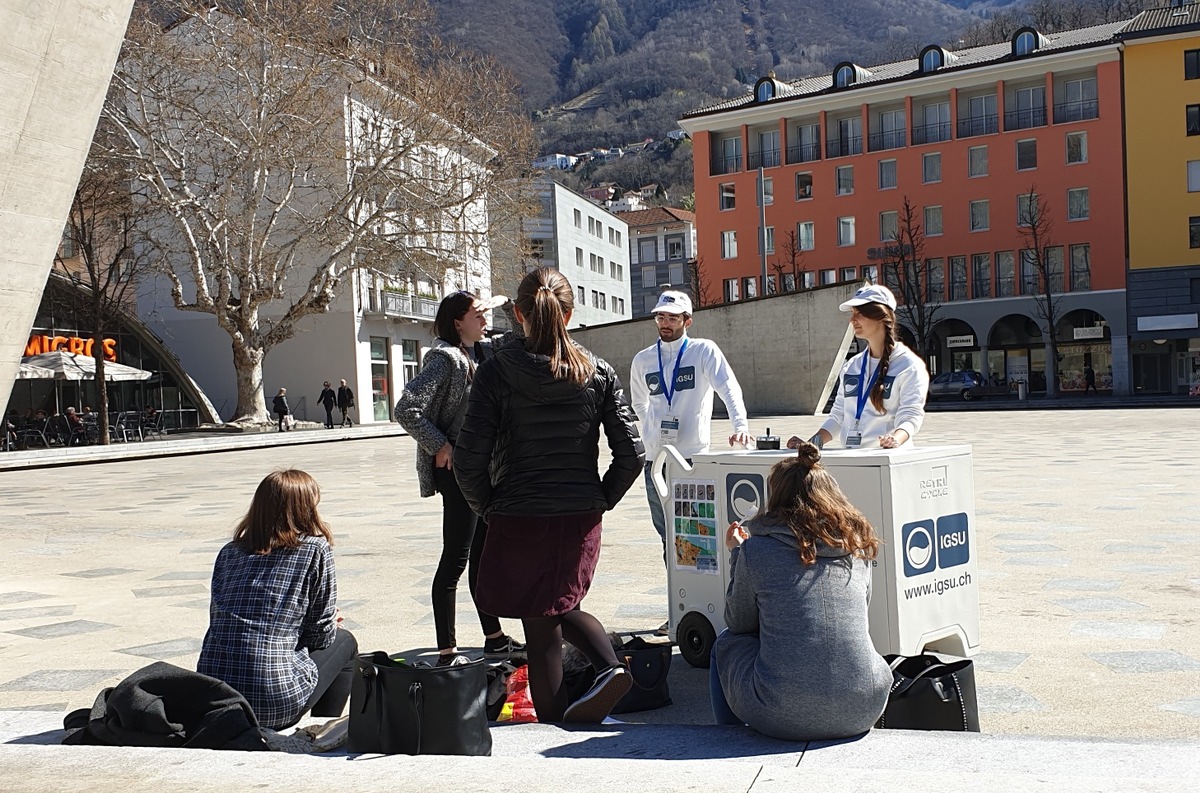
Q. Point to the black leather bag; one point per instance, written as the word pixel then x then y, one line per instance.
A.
pixel 929 693
pixel 400 709
pixel 649 665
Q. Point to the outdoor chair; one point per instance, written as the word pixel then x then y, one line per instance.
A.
pixel 153 427
pixel 123 430
pixel 34 434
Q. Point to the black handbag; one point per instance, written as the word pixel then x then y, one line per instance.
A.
pixel 396 708
pixel 929 693
pixel 649 665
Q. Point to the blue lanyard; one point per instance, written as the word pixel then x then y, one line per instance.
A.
pixel 864 395
pixel 669 390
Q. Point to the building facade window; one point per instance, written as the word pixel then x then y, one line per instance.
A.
pixel 1026 43
pixel 1006 285
pixel 579 257
pixel 728 244
pixel 845 231
pixel 980 215
pixel 846 274
pixel 931 167
pixel 649 276
pixel 730 159
pixel 958 277
pixel 977 161
pixel 1077 203
pixel 889 226
pixel 768 192
pixel 1081 268
pixel 887 174
pixel 1026 154
pixel 769 238
pixel 805 235
pixel 845 179
pixel 1191 64
pixel 1025 206
pixel 1193 119
pixel 750 287
pixel 935 281
pixel 828 276
pixel 981 275
pixel 578 219
pixel 675 247
pixel 1029 272
pixel 933 221
pixel 1076 147
pixel 727 197
pixel 648 249
pixel 1194 232
pixel 675 273
pixel 870 273
pixel 803 186
pixel 1054 269
pixel 583 297
pixel 1193 176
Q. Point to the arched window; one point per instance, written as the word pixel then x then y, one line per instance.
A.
pixel 1025 42
pixel 932 60
pixel 765 91
pixel 843 76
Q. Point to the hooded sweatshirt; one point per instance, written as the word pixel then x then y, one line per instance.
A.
pixel 798 662
pixel 530 443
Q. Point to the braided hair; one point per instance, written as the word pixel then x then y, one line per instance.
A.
pixel 881 313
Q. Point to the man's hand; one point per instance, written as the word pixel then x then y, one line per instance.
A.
pixel 794 442
pixel 740 437
pixel 444 456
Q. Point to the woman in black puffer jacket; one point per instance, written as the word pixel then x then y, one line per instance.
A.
pixel 526 461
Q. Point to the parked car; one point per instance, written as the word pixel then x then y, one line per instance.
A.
pixel 955 384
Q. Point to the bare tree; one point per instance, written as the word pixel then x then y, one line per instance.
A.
pixel 286 145
pixel 1041 274
pixel 104 260
pixel 906 272
pixel 790 264
pixel 699 283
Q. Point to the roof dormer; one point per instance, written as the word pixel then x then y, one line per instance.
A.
pixel 847 73
pixel 935 57
pixel 767 88
pixel 1027 41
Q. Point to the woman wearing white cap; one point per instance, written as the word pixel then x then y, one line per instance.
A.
pixel 881 396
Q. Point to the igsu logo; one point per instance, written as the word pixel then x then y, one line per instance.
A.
pixel 936 485
pixel 929 545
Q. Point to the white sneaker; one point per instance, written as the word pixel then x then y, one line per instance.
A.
pixel 594 706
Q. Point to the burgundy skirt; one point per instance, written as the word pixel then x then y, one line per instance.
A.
pixel 537 565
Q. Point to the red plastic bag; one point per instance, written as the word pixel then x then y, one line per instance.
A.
pixel 519 707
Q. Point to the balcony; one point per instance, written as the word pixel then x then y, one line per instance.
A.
pixel 931 133
pixel 804 152
pixel 398 305
pixel 1076 111
pixel 1024 119
pixel 764 159
pixel 844 147
pixel 972 126
pixel 724 165
pixel 892 139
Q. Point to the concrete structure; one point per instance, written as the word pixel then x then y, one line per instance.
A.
pixel 786 349
pixel 1161 68
pixel 587 244
pixel 662 246
pixel 55 64
pixel 960 135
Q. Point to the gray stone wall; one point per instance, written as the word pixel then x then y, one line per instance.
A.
pixel 55 63
pixel 786 349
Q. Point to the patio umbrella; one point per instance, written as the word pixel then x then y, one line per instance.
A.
pixel 29 371
pixel 72 366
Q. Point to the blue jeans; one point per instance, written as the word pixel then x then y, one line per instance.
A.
pixel 722 713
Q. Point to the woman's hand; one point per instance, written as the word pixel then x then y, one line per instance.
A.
pixel 735 535
pixel 444 456
pixel 893 439
pixel 794 442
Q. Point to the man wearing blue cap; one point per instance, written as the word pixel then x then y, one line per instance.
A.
pixel 671 385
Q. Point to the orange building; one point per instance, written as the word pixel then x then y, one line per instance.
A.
pixel 964 137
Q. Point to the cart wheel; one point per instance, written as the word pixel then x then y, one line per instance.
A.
pixel 695 637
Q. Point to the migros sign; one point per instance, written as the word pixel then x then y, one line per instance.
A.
pixel 72 344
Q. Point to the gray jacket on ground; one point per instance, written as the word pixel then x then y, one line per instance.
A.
pixel 798 663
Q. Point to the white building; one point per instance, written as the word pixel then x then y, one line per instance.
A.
pixel 555 162
pixel 587 243
pixel 662 242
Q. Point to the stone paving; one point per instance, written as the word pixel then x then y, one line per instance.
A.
pixel 1089 528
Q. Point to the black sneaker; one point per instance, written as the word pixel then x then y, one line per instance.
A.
pixel 452 659
pixel 594 706
pixel 503 648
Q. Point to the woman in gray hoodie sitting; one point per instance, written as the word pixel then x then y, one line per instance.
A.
pixel 796 661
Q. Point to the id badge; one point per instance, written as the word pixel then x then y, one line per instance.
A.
pixel 668 430
pixel 854 440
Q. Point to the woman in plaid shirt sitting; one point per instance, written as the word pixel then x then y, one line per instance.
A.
pixel 273 625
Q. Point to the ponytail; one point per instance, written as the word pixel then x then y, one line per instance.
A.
pixel 545 297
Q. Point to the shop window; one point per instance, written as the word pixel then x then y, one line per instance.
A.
pixel 1077 204
pixel 803 186
pixel 845 179
pixel 931 167
pixel 728 244
pixel 1076 147
pixel 933 221
pixel 887 174
pixel 977 161
pixel 727 198
pixel 980 216
pixel 1026 154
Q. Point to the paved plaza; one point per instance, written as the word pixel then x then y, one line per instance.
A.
pixel 1088 528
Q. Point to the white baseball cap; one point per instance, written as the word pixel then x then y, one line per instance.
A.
pixel 872 293
pixel 673 303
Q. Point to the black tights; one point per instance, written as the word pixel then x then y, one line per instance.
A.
pixel 543 641
pixel 462 542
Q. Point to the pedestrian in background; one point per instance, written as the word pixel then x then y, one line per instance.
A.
pixel 328 399
pixel 526 460
pixel 431 409
pixel 279 406
pixel 345 401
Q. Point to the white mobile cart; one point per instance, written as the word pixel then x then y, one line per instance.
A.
pixel 925 585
